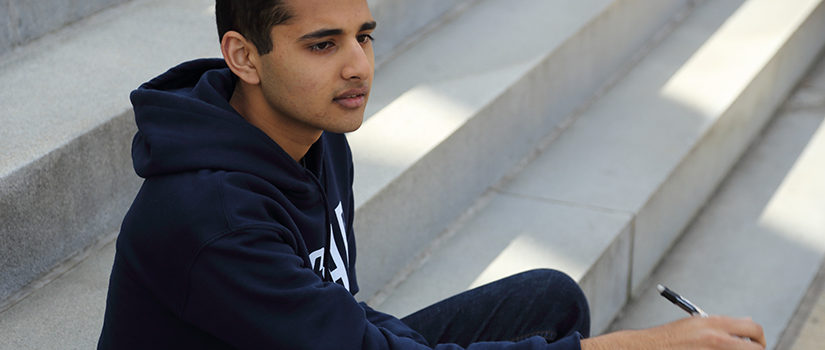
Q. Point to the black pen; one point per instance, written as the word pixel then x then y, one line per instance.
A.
pixel 683 303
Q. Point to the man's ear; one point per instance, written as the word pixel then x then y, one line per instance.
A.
pixel 240 55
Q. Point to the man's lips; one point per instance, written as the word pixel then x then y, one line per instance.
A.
pixel 353 98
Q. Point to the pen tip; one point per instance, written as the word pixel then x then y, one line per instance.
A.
pixel 660 288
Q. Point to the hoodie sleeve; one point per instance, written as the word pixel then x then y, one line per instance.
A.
pixel 392 324
pixel 249 289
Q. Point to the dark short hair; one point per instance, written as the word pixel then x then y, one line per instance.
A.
pixel 254 19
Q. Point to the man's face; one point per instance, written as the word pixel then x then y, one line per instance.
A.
pixel 319 72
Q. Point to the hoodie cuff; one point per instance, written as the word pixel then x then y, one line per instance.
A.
pixel 570 342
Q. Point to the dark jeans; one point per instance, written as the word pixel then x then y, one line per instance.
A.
pixel 544 303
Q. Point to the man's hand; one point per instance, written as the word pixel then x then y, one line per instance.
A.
pixel 711 333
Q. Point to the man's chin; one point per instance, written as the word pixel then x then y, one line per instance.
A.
pixel 344 128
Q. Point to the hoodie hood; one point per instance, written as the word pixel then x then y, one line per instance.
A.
pixel 185 123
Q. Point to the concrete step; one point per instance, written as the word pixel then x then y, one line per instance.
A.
pixel 23 21
pixel 611 194
pixel 757 246
pixel 66 177
pixel 805 329
pixel 66 312
pixel 458 109
pixel 402 23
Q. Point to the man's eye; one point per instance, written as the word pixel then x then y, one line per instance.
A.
pixel 364 38
pixel 321 46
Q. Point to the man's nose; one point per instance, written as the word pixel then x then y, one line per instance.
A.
pixel 358 64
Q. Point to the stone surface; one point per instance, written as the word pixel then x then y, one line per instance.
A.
pixel 514 234
pixel 147 37
pixel 68 313
pixel 401 22
pixel 810 335
pixel 453 118
pixel 756 247
pixel 8 27
pixel 35 18
pixel 658 143
pixel 31 19
pixel 65 175
pixel 805 331
pixel 64 202
pixel 634 139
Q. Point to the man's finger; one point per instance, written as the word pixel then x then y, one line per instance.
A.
pixel 742 328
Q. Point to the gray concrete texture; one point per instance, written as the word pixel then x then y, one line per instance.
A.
pixel 52 200
pixel 452 119
pixel 74 80
pixel 633 153
pixel 758 245
pixel 402 22
pixel 88 59
pixel 62 203
pixel 24 20
pixel 806 331
pixel 66 177
pixel 669 132
pixel 8 30
pixel 517 233
pixel 41 175
pixel 103 34
pixel 68 312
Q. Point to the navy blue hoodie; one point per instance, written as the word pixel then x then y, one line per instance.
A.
pixel 230 243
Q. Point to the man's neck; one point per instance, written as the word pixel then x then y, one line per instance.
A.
pixel 293 137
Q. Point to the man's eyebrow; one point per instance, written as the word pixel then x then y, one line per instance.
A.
pixel 368 26
pixel 322 33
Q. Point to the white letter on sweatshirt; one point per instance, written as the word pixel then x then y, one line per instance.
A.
pixel 340 269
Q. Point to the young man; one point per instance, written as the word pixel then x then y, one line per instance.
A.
pixel 241 236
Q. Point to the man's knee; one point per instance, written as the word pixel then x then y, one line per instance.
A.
pixel 555 279
pixel 561 293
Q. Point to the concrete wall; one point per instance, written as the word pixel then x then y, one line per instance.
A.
pixel 402 21
pixel 64 202
pixel 24 20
